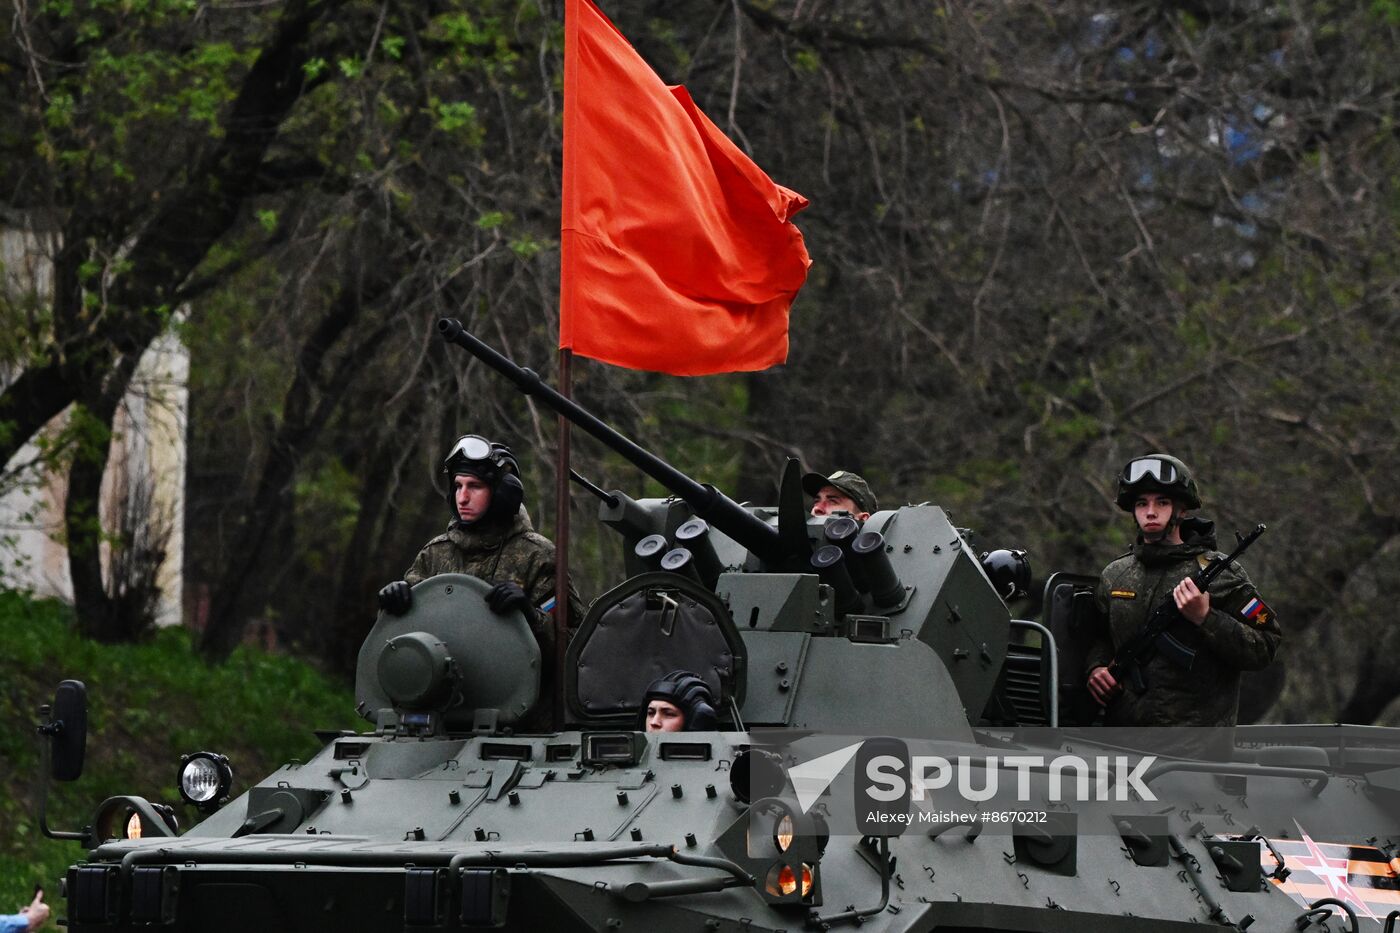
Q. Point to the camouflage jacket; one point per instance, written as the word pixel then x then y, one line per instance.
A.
pixel 514 552
pixel 1240 633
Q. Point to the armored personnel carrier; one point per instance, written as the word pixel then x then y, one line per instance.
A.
pixel 870 687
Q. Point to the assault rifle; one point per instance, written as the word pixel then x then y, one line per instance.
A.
pixel 1153 638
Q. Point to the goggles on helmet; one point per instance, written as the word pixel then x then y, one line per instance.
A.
pixel 471 447
pixel 1150 468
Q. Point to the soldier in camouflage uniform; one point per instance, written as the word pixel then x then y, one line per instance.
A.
pixel 490 537
pixel 1229 627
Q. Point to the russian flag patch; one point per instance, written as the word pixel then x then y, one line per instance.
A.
pixel 1256 611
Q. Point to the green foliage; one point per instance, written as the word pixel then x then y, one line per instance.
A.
pixel 457 117
pixel 527 246
pixel 88 435
pixel 459 30
pixel 223 339
pixel 328 502
pixel 78 436
pixel 61 109
pixel 1075 427
pixel 25 321
pixel 148 704
pixel 964 482
pixel 1387 10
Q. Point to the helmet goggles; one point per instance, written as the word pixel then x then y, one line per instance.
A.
pixel 474 449
pixel 1157 472
pixel 1153 468
pixel 471 447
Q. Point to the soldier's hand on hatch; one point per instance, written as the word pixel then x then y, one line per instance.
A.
pixel 396 598
pixel 506 596
pixel 1193 604
pixel 1103 685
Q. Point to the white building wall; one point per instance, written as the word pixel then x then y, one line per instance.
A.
pixel 149 431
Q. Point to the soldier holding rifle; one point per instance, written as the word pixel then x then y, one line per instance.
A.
pixel 1190 673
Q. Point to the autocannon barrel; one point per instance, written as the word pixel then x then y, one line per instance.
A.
pixel 708 502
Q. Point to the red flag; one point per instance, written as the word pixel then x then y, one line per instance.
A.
pixel 679 254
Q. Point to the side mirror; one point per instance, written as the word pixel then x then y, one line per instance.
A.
pixel 66 730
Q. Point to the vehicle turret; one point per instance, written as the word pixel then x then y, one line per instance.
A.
pixel 821 602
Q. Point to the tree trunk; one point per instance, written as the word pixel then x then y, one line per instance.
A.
pixel 82 522
pixel 353 609
pixel 98 613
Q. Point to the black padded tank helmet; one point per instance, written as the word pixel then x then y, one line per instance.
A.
pixel 492 463
pixel 686 692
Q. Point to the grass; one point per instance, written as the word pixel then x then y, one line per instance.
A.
pixel 147 705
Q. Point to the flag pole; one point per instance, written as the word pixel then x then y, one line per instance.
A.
pixel 568 194
pixel 561 539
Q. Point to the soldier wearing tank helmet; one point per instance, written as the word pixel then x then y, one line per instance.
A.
pixel 490 537
pixel 679 702
pixel 1229 627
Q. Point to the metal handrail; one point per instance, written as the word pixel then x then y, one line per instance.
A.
pixel 1238 770
pixel 496 857
pixel 1048 644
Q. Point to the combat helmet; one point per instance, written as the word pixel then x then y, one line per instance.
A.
pixel 688 693
pixel 493 463
pixel 1157 473
pixel 1009 570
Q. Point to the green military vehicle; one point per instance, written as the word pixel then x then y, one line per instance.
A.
pixel 852 664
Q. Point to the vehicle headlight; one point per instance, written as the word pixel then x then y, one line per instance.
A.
pixel 133 826
pixel 205 779
pixel 782 838
pixel 782 881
